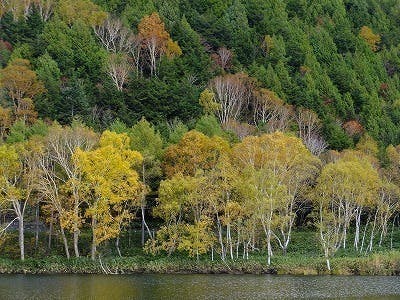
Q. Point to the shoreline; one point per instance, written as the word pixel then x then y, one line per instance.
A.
pixel 387 264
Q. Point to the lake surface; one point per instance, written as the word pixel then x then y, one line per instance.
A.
pixel 197 287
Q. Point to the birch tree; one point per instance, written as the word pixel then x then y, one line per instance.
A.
pixel 61 144
pixel 118 68
pixel 18 168
pixel 232 93
pixel 114 36
pixel 111 185
pixel 156 41
pixel 289 161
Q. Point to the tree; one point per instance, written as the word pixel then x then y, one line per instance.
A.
pixel 290 162
pixel 11 192
pixel 49 186
pixel 209 125
pixel 232 93
pixel 269 110
pixel 156 41
pixel 223 58
pixel 344 188
pixel 144 139
pixel 195 151
pixel 370 38
pixel 207 102
pixel 197 238
pixel 111 185
pixel 310 127
pixel 114 36
pixel 118 68
pixel 45 8
pixel 5 122
pixel 61 143
pixel 21 83
pixel 18 8
pixel 18 167
pixel 85 11
pixel 266 196
pixel 50 74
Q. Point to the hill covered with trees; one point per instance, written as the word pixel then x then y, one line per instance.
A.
pixel 227 124
pixel 107 60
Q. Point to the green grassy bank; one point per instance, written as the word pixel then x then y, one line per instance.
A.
pixel 303 258
pixel 384 263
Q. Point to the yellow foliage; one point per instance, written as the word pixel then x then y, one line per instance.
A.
pixel 195 151
pixel 207 101
pixel 197 238
pixel 83 10
pixel 173 49
pixel 370 38
pixel 351 178
pixel 111 183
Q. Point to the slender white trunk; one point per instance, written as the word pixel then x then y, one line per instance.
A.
pixel 50 230
pixel 94 242
pixel 117 246
pixel 371 240
pixel 21 236
pixel 64 238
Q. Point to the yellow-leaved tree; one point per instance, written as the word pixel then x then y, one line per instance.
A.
pixel 85 11
pixel 111 185
pixel 195 151
pixel 18 169
pixel 287 161
pixel 343 189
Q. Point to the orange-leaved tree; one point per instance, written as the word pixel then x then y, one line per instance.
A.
pixel 22 85
pixel 156 41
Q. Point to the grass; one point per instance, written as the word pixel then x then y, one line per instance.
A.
pixel 303 258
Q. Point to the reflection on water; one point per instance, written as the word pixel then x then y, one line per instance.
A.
pixel 149 286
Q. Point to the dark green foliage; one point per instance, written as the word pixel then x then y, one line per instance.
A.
pixel 49 104
pixel 308 52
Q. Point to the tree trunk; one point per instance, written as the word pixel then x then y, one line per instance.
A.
pixel 357 233
pixel 328 264
pixel 76 229
pixel 391 234
pixel 143 207
pixel 76 242
pixel 117 246
pixel 21 236
pixel 36 227
pixel 65 241
pixel 221 242
pixel 94 243
pixel 269 247
pixel 371 240
pixel 344 236
pixel 364 233
pixel 50 230
pixel 144 225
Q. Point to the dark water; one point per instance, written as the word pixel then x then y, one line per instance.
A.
pixel 197 287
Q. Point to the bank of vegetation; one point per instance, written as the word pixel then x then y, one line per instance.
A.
pixel 303 259
pixel 217 129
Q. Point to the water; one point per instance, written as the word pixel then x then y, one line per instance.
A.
pixel 197 287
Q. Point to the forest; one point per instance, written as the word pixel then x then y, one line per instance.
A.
pixel 210 129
